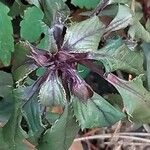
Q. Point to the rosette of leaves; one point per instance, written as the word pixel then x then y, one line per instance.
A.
pixel 45 71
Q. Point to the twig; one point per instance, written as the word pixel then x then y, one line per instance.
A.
pixel 128 143
pixel 104 136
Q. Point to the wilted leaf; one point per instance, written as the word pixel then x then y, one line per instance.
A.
pixel 66 127
pixel 121 20
pixel 96 112
pixel 84 36
pixel 86 3
pixel 6 35
pixel 116 55
pixel 135 97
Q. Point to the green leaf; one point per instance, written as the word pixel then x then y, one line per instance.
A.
pixel 66 127
pixel 138 32
pixel 32 115
pixel 88 4
pixel 83 71
pixel 96 112
pixel 6 38
pixel 55 11
pixel 121 20
pixel 135 97
pixel 12 131
pixel 52 92
pixel 5 79
pixel 32 23
pixel 146 48
pixel 6 98
pixel 17 9
pixel 116 55
pixel 84 36
pixel 22 49
pixel 20 68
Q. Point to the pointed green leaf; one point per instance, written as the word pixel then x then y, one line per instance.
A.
pixel 96 112
pixel 84 36
pixel 20 68
pixel 52 93
pixel 66 127
pixel 32 115
pixel 135 97
pixel 116 55
pixel 88 4
pixel 6 35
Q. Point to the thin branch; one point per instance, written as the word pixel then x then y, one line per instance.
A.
pixel 105 136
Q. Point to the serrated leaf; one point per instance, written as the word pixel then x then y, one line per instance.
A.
pixel 32 23
pixel 32 114
pixel 6 38
pixel 116 55
pixel 88 4
pixel 55 12
pixel 66 127
pixel 84 36
pixel 23 71
pixel 121 20
pixel 138 32
pixel 96 112
pixel 52 93
pixel 135 97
